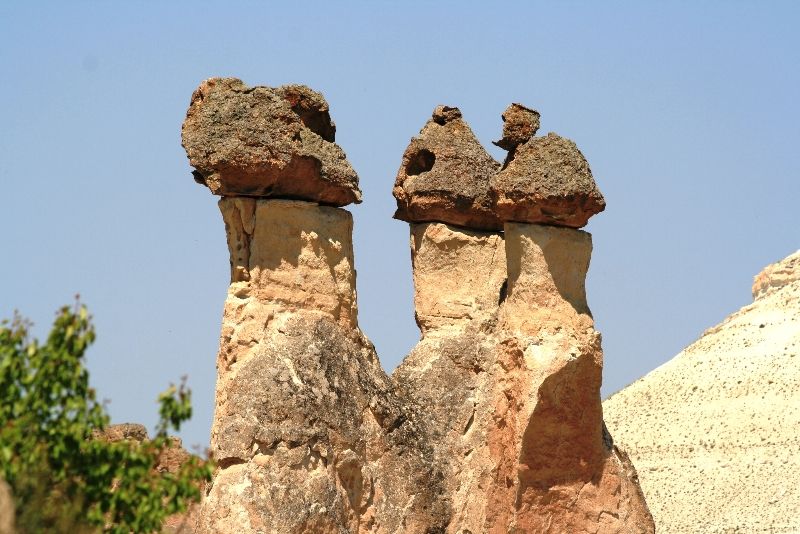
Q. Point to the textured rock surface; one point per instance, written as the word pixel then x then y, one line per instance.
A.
pixel 306 419
pixel 7 519
pixel 715 432
pixel 546 180
pixel 445 175
pixel 519 125
pixel 492 424
pixel 511 387
pixel 459 276
pixel 777 275
pixel 266 142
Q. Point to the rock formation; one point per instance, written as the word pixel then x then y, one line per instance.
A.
pixel 715 431
pixel 546 180
pixel 492 424
pixel 447 176
pixel 266 142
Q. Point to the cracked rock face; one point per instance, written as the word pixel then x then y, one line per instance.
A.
pixel 492 424
pixel 445 175
pixel 309 432
pixel 510 383
pixel 266 142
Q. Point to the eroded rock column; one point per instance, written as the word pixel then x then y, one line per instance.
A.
pixel 510 366
pixel 309 433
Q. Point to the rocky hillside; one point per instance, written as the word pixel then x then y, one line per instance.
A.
pixel 715 432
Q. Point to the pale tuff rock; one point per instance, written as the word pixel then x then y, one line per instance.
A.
pixel 459 275
pixel 777 275
pixel 266 142
pixel 445 175
pixel 513 408
pixel 715 432
pixel 307 425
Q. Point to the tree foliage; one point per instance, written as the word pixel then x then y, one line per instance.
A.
pixel 62 479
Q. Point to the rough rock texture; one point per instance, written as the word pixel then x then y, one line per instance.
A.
pixel 7 513
pixel 508 373
pixel 715 432
pixel 777 275
pixel 546 180
pixel 519 125
pixel 445 175
pixel 305 417
pixel 492 424
pixel 266 142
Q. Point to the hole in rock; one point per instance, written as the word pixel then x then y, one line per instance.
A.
pixel 318 122
pixel 420 162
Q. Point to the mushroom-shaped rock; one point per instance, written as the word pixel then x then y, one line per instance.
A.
pixel 519 125
pixel 546 180
pixel 266 142
pixel 445 175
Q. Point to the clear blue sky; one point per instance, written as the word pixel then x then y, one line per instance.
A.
pixel 687 112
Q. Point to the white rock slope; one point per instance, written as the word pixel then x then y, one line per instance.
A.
pixel 715 432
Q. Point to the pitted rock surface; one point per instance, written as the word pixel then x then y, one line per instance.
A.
pixel 492 424
pixel 519 125
pixel 547 180
pixel 266 142
pixel 715 432
pixel 445 175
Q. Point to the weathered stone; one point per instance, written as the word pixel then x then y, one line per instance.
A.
pixel 447 176
pixel 715 432
pixel 776 275
pixel 546 180
pixel 266 142
pixel 519 125
pixel 307 424
pixel 492 424
pixel 459 276
pixel 444 176
pixel 513 407
pixel 7 509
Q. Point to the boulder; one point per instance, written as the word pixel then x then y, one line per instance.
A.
pixel 445 175
pixel 519 124
pixel 546 180
pixel 266 142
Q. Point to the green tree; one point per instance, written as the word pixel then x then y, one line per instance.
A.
pixel 62 479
